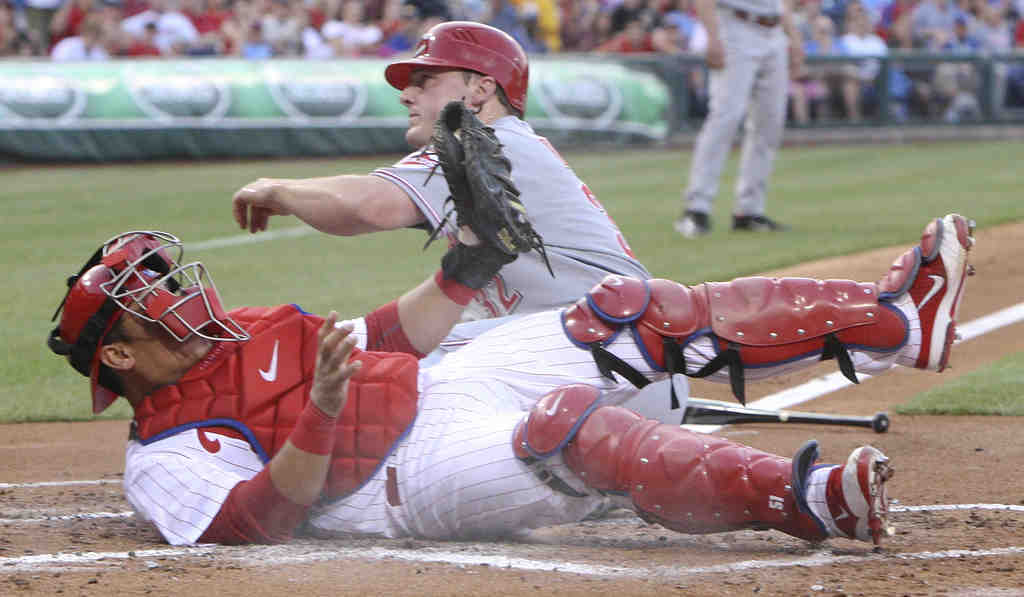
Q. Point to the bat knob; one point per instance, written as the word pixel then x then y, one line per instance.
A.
pixel 880 422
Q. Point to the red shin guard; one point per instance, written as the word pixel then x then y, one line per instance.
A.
pixel 685 481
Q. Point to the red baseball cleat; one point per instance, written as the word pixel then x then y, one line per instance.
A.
pixel 934 274
pixel 854 494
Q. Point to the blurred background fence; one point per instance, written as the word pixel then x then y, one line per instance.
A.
pixel 122 110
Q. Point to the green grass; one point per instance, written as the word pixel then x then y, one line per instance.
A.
pixel 838 200
pixel 997 389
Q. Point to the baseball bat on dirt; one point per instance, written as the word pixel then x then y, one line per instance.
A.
pixel 714 412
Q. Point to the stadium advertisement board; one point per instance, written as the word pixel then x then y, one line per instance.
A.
pixel 143 109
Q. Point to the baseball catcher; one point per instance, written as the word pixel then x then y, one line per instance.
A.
pixel 484 198
pixel 251 422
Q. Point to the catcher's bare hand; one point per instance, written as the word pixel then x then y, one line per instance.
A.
pixel 333 368
pixel 254 203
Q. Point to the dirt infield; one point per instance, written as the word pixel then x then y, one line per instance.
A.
pixel 959 515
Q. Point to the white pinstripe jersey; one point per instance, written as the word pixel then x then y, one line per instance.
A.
pixel 455 471
pixel 583 243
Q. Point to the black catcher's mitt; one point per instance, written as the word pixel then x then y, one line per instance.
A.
pixel 479 179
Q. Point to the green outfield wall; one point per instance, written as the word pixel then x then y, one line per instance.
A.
pixel 203 108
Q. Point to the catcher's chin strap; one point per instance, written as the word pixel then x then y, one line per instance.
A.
pixel 675 363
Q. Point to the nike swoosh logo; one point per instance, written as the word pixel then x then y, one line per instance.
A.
pixel 937 282
pixel 271 373
pixel 842 515
pixel 554 406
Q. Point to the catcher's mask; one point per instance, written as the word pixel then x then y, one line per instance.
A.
pixel 139 273
pixel 471 46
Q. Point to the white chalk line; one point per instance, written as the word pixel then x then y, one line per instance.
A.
pixel 129 513
pixel 254 556
pixel 248 239
pixel 64 517
pixel 59 483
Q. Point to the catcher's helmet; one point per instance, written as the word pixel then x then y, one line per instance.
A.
pixel 135 273
pixel 470 46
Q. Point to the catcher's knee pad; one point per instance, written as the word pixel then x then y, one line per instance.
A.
pixel 686 481
pixel 652 309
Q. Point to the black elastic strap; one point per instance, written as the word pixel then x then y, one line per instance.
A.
pixel 729 357
pixel 835 349
pixel 675 363
pixel 607 363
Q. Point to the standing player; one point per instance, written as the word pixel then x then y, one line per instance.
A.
pixel 250 423
pixel 487 70
pixel 747 41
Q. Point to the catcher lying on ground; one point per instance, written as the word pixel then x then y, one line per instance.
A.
pixel 251 423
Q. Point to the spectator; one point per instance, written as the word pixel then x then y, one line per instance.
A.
pixel 547 24
pixel 8 32
pixel 255 46
pixel 67 21
pixel 805 15
pixel 893 12
pixel 505 15
pixel 402 27
pixel 810 91
pixel 38 16
pixel 956 83
pixel 580 29
pixel 634 38
pixel 692 36
pixel 208 18
pixel 859 88
pixel 283 25
pixel 931 23
pixel 627 11
pixel 90 44
pixel 347 31
pixel 836 10
pixel 175 33
pixel 136 47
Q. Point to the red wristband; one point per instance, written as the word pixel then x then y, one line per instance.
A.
pixel 460 294
pixel 384 331
pixel 315 431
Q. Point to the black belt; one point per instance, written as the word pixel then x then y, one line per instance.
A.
pixel 761 20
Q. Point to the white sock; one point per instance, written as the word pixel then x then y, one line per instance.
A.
pixel 817 483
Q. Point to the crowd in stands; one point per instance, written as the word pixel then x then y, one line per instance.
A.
pixel 66 30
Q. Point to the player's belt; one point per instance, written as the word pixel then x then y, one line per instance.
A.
pixel 761 20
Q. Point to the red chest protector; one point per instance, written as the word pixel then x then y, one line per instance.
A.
pixel 258 388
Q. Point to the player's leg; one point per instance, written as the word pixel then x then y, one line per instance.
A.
pixel 729 93
pixel 456 475
pixel 752 328
pixel 765 123
pixel 696 483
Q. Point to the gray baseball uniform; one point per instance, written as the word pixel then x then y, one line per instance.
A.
pixel 753 83
pixel 583 243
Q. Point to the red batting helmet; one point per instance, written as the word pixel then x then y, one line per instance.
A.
pixel 470 46
pixel 135 273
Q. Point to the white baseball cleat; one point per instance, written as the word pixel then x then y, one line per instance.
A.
pixel 933 274
pixel 851 501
